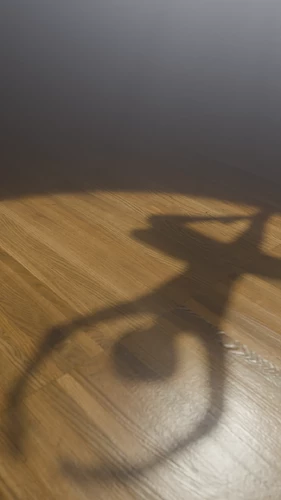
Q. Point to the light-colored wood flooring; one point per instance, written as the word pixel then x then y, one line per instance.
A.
pixel 111 388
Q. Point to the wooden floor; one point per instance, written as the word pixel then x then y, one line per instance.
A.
pixel 111 386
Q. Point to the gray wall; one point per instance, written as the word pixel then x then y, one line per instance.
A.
pixel 174 74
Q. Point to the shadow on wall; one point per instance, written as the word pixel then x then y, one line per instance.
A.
pixel 209 263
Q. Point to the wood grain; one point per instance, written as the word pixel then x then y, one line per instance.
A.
pixel 111 388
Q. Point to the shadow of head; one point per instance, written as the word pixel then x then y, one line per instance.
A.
pixel 145 354
pixel 150 355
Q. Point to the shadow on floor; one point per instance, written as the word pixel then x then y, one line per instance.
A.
pixel 212 270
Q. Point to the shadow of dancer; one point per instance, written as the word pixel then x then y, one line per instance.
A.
pixel 209 263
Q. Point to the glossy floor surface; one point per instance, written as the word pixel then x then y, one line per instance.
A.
pixel 140 340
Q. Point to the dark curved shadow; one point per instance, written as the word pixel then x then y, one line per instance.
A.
pixel 180 320
pixel 211 341
pixel 209 263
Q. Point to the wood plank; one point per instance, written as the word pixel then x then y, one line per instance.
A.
pixel 110 387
